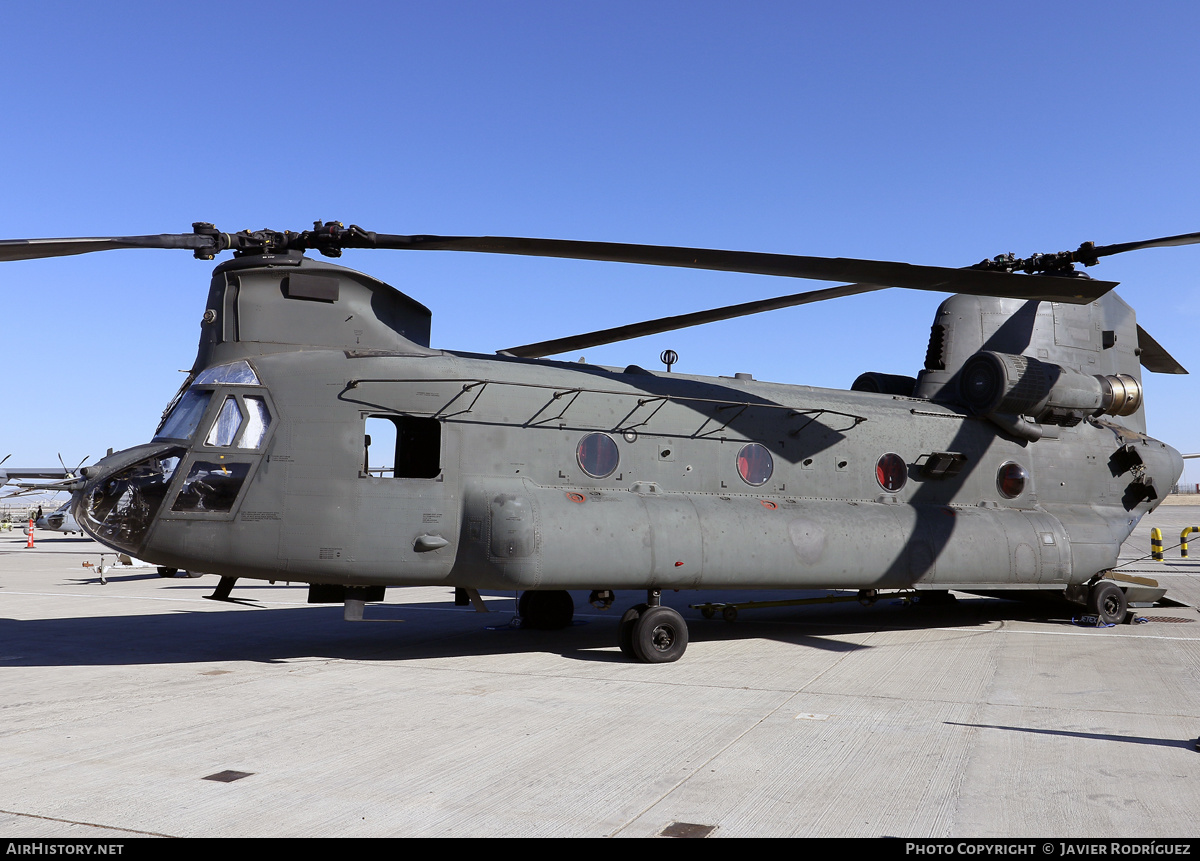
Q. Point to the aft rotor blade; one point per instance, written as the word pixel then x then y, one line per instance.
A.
pixel 1154 357
pixel 682 321
pixel 1163 242
pixel 977 282
pixel 31 249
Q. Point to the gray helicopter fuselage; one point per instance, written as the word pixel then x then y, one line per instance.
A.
pixel 517 473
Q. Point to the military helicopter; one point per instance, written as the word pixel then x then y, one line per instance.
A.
pixel 59 520
pixel 1015 461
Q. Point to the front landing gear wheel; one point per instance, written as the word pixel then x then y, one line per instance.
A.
pixel 1108 603
pixel 546 611
pixel 659 636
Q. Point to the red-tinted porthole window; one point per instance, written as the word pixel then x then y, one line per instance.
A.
pixel 754 464
pixel 891 473
pixel 1011 479
pixel 597 454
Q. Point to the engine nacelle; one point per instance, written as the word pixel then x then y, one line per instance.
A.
pixel 885 384
pixel 1006 384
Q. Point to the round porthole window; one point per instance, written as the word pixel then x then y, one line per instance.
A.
pixel 754 464
pixel 1011 479
pixel 597 455
pixel 890 472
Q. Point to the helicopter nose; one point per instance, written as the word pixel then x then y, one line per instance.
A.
pixel 123 493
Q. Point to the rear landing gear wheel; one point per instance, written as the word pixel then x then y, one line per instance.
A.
pixel 167 572
pixel 1108 603
pixel 546 611
pixel 659 636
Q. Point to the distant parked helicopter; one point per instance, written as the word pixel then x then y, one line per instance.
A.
pixel 59 520
pixel 1015 460
pixel 64 478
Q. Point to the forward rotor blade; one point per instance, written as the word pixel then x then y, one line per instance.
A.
pixel 1154 357
pixel 977 282
pixel 31 249
pixel 682 321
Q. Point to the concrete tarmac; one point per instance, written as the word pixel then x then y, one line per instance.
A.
pixel 120 703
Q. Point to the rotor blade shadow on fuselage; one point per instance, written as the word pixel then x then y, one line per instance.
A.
pixel 791 432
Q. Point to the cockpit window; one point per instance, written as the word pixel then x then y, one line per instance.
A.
pixel 211 486
pixel 239 373
pixel 120 509
pixel 226 426
pixel 182 422
pixel 256 423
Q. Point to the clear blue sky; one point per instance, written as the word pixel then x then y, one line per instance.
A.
pixel 934 133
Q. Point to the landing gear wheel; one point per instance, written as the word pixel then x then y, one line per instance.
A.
pixel 659 636
pixel 1108 603
pixel 625 631
pixel 546 611
pixel 167 572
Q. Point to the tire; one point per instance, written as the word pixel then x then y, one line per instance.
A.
pixel 1108 603
pixel 660 636
pixel 546 610
pixel 729 613
pixel 167 572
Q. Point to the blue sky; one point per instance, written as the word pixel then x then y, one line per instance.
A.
pixel 936 133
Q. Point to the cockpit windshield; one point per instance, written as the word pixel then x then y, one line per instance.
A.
pixel 184 419
pixel 183 415
pixel 238 373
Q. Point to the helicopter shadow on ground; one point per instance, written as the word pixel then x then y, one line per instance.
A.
pixel 1186 744
pixel 413 632
pixel 94 580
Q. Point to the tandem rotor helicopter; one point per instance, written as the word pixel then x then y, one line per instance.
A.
pixel 319 438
